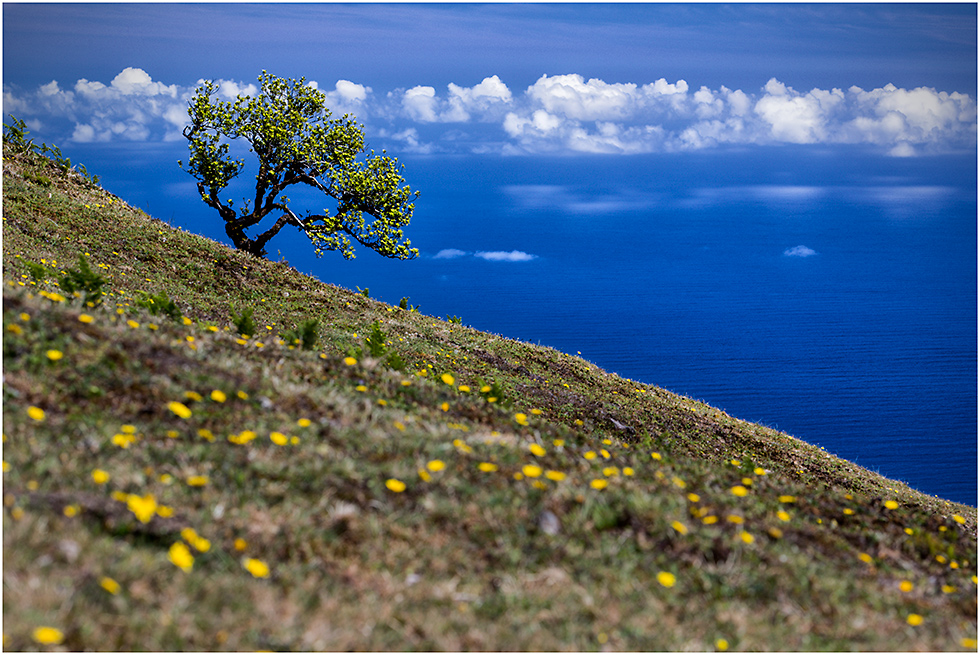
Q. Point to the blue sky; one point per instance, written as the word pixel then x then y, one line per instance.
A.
pixel 516 79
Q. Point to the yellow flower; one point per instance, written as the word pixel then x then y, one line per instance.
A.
pixel 656 456
pixel 968 642
pixel 746 537
pixel 218 396
pixel 590 455
pixel 605 453
pixel 109 585
pixel 256 567
pixel 531 471
pixel 959 519
pixel 736 519
pixel 240 544
pixel 193 395
pixel 99 476
pixel 133 324
pixel 599 484
pixel 537 450
pixel 680 527
pixel 197 480
pixel 628 471
pixel 178 408
pixel 914 619
pixel 395 485
pixel 787 499
pixel 892 504
pixel 557 476
pixel 35 413
pixel 721 645
pixel 48 635
pixel 304 422
pixel 559 443
pixel 463 388
pixel 864 557
pixel 693 497
pixel 444 407
pixel 55 355
pixel 85 318
pixel 759 470
pixel 144 507
pixel 424 475
pixel 783 516
pixel 279 438
pixel 610 471
pixel 436 465
pixel 739 491
pixel 180 555
pixel 905 585
pixel 666 579
pixel 487 467
pixel 521 418
pixel 448 379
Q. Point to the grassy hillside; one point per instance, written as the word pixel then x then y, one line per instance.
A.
pixel 405 484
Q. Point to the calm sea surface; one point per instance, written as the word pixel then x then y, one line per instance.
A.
pixel 834 299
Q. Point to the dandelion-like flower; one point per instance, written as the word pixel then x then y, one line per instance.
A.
pixel 521 418
pixel 218 396
pixel 487 467
pixel 914 619
pixel 532 471
pixel 144 507
pixel 556 476
pixel 395 485
pixel 55 355
pixel 256 567
pixel 679 527
pixel 109 585
pixel 436 465
pixel 35 413
pixel 48 635
pixel 180 556
pixel 599 483
pixel 448 379
pixel 666 579
pixel 537 450
pixel 197 480
pixel 739 491
pixel 99 476
pixel 279 438
pixel 179 408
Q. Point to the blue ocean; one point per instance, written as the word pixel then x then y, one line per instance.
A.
pixel 831 297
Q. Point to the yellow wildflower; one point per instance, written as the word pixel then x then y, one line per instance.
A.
pixel 197 480
pixel 487 467
pixel 144 507
pixel 914 619
pixel 180 555
pixel 739 491
pixel 55 355
pixel 109 585
pixel 48 635
pixel 256 567
pixel 680 527
pixel 279 438
pixel 666 579
pixel 99 476
pixel 891 504
pixel 537 450
pixel 178 408
pixel 35 413
pixel 557 476
pixel 531 471
pixel 436 465
pixel 218 396
pixel 599 484
pixel 395 485
pixel 448 379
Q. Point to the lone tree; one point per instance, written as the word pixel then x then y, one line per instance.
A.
pixel 289 128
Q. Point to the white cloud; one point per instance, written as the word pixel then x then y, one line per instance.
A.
pixel 502 256
pixel 556 114
pixel 799 251
pixel 450 253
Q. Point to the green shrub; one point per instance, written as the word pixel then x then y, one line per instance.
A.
pixel 84 280
pixel 244 323
pixel 160 304
pixel 306 334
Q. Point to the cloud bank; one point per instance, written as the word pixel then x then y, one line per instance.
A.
pixel 557 114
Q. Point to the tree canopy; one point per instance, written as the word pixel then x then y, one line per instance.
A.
pixel 289 128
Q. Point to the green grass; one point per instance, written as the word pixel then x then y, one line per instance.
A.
pixel 770 543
